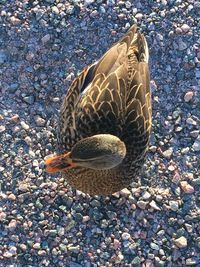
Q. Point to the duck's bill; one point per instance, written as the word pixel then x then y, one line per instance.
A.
pixel 59 163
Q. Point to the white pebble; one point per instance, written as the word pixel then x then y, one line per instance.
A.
pixel 24 125
pixel 181 242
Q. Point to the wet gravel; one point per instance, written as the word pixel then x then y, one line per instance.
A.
pixel 43 222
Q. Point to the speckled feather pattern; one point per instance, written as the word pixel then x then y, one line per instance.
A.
pixel 111 96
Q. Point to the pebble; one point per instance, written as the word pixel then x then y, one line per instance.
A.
pixel 36 246
pixel 146 195
pixel 74 249
pixel 196 145
pixel 154 205
pixel 125 192
pixel 3 57
pixel 88 2
pixel 15 21
pixel 187 188
pixel 168 153
pixel 12 225
pixel 188 96
pixel 28 140
pixel 154 246
pixel 191 262
pixel 7 254
pixel 142 204
pixel 12 197
pixel 24 125
pixel 29 99
pixel 2 128
pixel 13 87
pixel 45 39
pixel 185 28
pixel 173 205
pixel 2 216
pixel 125 236
pixel 39 121
pixel 23 187
pixel 182 45
pixel 191 121
pixel 181 242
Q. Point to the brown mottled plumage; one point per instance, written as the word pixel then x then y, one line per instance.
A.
pixel 111 96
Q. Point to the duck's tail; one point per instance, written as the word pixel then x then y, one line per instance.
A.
pixel 137 44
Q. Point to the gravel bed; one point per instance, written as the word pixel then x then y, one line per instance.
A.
pixel 43 222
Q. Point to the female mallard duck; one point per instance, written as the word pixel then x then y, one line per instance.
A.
pixel 105 120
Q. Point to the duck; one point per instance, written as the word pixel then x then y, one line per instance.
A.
pixel 105 120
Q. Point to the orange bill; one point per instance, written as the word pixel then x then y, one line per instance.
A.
pixel 59 163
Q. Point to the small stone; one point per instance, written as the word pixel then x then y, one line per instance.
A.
pixel 24 125
pixel 171 168
pixel 14 118
pixel 7 254
pixel 182 45
pixel 35 163
pixel 197 73
pixel 146 195
pixel 2 216
pixel 12 197
pixel 74 249
pixel 142 204
pixel 88 2
pixel 189 227
pixel 3 57
pixel 29 99
pixel 154 246
pixel 196 145
pixel 12 225
pixel 191 262
pixel 36 246
pixel 95 203
pixel 55 10
pixel 13 250
pixel 154 205
pixel 181 242
pixel 94 13
pixel 74 264
pixel 116 244
pixel 191 121
pixel 187 188
pixel 86 218
pixel 28 140
pixel 185 28
pixel 139 16
pixel 173 205
pixel 23 187
pixel 168 153
pixel 13 87
pixel 14 20
pixel 2 128
pixel 125 236
pixel 188 96
pixel 136 261
pixel 39 121
pixel 194 133
pixel 125 192
pixel 45 39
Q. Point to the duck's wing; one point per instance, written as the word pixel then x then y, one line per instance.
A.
pixel 99 99
pixel 138 112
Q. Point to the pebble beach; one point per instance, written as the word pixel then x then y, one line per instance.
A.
pixel 43 221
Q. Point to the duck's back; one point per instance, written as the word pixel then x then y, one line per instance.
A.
pixel 110 96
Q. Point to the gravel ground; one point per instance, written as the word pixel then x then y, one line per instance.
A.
pixel 43 45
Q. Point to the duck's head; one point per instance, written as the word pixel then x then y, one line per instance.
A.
pixel 98 152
